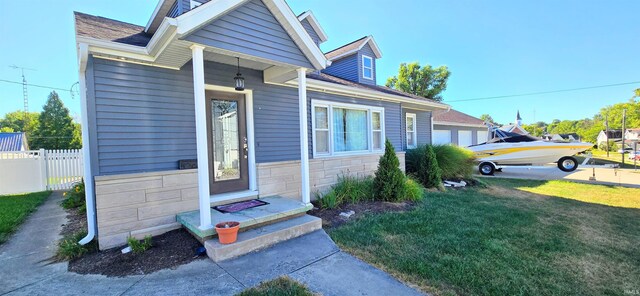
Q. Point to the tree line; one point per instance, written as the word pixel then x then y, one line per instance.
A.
pixel 52 128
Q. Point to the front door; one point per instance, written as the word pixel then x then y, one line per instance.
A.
pixel 228 149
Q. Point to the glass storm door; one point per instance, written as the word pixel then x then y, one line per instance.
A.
pixel 228 149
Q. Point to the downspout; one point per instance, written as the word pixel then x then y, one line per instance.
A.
pixel 83 55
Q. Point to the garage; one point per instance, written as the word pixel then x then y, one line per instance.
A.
pixel 441 137
pixel 482 136
pixel 465 138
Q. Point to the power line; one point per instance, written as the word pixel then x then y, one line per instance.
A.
pixel 36 85
pixel 544 92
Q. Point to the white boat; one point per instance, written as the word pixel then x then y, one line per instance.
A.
pixel 515 149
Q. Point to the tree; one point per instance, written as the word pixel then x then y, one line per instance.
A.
pixel 488 118
pixel 424 81
pixel 388 183
pixel 534 129
pixel 15 122
pixel 56 129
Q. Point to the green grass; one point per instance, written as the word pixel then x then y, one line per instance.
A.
pixel 600 158
pixel 506 240
pixel 14 209
pixel 282 286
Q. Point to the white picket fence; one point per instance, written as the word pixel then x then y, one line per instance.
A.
pixel 38 170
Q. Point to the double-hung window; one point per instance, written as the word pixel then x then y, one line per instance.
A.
pixel 367 67
pixel 411 136
pixel 340 129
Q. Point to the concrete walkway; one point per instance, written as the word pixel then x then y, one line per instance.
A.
pixel 604 176
pixel 313 259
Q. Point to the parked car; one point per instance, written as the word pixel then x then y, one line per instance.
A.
pixel 634 155
pixel 625 150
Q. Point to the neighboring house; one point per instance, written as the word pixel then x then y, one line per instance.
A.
pixel 13 142
pixel 610 135
pixel 515 127
pixel 571 137
pixel 454 127
pixel 632 134
pixel 286 122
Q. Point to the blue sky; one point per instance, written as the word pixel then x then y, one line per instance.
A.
pixel 491 47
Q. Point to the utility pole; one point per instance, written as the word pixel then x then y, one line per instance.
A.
pixel 624 127
pixel 606 133
pixel 25 96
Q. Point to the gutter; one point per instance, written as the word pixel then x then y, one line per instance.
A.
pixel 83 55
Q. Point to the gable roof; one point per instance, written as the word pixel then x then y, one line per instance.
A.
pixel 452 117
pixel 353 47
pixel 112 30
pixel 308 15
pixel 13 142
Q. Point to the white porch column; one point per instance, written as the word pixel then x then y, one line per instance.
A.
pixel 201 137
pixel 304 135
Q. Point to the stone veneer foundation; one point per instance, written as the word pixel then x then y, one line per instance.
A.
pixel 147 203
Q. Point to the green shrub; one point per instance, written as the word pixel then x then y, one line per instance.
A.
pixel 422 164
pixel 454 162
pixel 139 246
pixel 75 197
pixel 388 184
pixel 352 189
pixel 414 191
pixel 69 247
pixel 329 200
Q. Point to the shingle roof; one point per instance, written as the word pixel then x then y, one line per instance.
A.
pixel 329 78
pixel 12 141
pixel 346 48
pixel 454 116
pixel 112 30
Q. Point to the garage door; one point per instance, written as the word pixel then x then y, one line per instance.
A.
pixel 482 136
pixel 465 138
pixel 441 137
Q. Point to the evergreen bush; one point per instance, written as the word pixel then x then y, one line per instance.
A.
pixel 388 184
pixel 422 164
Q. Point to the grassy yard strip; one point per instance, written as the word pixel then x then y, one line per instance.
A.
pixel 504 241
pixel 14 209
pixel 600 158
pixel 282 286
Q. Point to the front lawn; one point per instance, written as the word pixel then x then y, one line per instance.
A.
pixel 282 286
pixel 14 209
pixel 511 238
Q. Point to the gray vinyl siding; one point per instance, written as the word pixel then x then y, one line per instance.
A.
pixel 312 33
pixel 391 116
pixel 423 126
pixel 345 68
pixel 252 29
pixel 174 11
pixel 454 132
pixel 366 50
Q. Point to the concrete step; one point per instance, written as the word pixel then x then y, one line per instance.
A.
pixel 262 237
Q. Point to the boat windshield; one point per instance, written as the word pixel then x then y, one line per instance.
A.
pixel 507 137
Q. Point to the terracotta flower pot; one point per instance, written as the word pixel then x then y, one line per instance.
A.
pixel 227 232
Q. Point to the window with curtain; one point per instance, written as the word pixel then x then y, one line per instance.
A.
pixel 411 130
pixel 345 128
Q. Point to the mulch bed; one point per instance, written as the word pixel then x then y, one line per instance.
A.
pixel 169 250
pixel 331 217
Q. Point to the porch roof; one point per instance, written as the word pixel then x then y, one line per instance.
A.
pixel 110 30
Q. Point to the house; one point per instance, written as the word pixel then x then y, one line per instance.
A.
pixel 632 134
pixel 515 127
pixel 570 137
pixel 241 90
pixel 610 135
pixel 13 142
pixel 454 127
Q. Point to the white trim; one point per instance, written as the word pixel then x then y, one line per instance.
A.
pixel 414 131
pixel 330 105
pixel 154 14
pixel 315 24
pixel 194 19
pixel 365 67
pixel 431 133
pixel 193 4
pixel 201 137
pixel 370 41
pixel 97 56
pixel 83 56
pixel 251 159
pixel 304 135
pixel 222 197
pixel 459 124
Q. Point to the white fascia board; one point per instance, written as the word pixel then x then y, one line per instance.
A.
pixel 154 14
pixel 323 86
pixel 167 28
pixel 115 48
pixel 315 24
pixel 458 124
pixel 196 18
pixel 370 41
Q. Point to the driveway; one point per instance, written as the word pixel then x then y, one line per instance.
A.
pixel 312 259
pixel 604 176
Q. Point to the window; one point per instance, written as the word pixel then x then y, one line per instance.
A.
pixel 412 141
pixel 346 129
pixel 194 4
pixel 367 67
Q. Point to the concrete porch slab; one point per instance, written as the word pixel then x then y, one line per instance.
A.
pixel 278 208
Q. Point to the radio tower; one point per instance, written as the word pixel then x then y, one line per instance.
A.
pixel 25 97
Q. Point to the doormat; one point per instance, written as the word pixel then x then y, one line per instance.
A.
pixel 239 206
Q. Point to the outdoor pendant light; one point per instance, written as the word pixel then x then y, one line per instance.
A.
pixel 239 79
